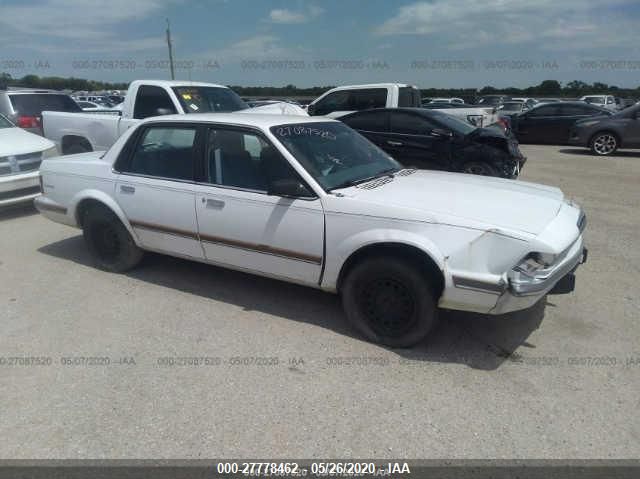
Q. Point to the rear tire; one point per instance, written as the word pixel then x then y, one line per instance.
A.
pixel 604 143
pixel 389 301
pixel 108 241
pixel 77 147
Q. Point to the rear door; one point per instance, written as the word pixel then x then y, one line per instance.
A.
pixel 374 125
pixel 412 142
pixel 538 125
pixel 155 187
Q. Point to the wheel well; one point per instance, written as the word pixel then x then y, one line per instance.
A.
pixel 611 132
pixel 84 205
pixel 69 140
pixel 399 250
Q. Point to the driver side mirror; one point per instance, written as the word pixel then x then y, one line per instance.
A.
pixel 289 188
pixel 311 109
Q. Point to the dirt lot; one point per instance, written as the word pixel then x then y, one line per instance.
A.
pixel 558 381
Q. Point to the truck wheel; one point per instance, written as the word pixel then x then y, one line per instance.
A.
pixel 604 143
pixel 479 168
pixel 108 241
pixel 389 301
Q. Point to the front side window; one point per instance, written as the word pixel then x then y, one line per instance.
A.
pixel 575 110
pixel 165 152
pixel 4 123
pixel 546 110
pixel 152 101
pixel 334 154
pixel 243 159
pixel 204 99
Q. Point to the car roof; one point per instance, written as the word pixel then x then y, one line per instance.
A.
pixel 175 83
pixel 372 85
pixel 260 120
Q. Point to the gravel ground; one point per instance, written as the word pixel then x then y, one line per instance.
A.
pixel 558 381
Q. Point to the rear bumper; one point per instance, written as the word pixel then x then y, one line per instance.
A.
pixel 19 188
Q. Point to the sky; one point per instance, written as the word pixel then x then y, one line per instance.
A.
pixel 432 43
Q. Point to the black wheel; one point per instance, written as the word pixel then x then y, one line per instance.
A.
pixel 389 302
pixel 108 241
pixel 603 144
pixel 479 168
pixel 75 148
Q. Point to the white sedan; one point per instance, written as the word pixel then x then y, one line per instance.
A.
pixel 21 153
pixel 310 201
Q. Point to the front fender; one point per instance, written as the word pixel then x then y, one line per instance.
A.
pixel 338 255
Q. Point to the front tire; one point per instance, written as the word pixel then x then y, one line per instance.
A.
pixel 108 241
pixel 389 301
pixel 604 144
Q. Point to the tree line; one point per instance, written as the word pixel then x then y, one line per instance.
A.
pixel 547 88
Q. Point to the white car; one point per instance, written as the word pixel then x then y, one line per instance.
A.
pixel 604 101
pixel 21 153
pixel 310 201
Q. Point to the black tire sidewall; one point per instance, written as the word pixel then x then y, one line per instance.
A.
pixel 425 314
pixel 129 255
pixel 490 168
pixel 76 148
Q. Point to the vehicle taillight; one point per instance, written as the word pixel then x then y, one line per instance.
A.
pixel 28 122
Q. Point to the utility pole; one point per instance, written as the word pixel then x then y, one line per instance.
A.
pixel 170 50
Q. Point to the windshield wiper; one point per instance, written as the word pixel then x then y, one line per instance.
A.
pixel 346 184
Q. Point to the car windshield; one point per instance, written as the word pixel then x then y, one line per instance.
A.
pixel 452 123
pixel 206 99
pixel 4 123
pixel 334 154
pixel 595 99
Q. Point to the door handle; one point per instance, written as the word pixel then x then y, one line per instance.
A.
pixel 214 204
pixel 127 190
pixel 394 143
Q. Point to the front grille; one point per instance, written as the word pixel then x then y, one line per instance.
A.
pixel 8 195
pixel 12 165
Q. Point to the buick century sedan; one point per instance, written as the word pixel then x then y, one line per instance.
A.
pixel 311 201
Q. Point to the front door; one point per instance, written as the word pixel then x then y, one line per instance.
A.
pixel 241 225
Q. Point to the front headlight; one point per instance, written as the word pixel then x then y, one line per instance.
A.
pixel 534 262
pixel 51 152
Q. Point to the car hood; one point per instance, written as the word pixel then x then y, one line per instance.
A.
pixel 465 200
pixel 16 141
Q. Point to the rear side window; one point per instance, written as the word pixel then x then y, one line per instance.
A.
pixel 409 97
pixel 368 99
pixel 407 124
pixel 546 110
pixel 165 152
pixel 576 110
pixel 34 104
pixel 368 121
pixel 149 100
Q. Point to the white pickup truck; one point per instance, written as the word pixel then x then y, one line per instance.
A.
pixel 346 99
pixel 82 132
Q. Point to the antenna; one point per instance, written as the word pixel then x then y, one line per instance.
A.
pixel 170 49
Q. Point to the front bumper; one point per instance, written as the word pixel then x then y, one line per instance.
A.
pixel 560 279
pixel 19 188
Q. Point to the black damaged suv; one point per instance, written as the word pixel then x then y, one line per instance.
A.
pixel 434 140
